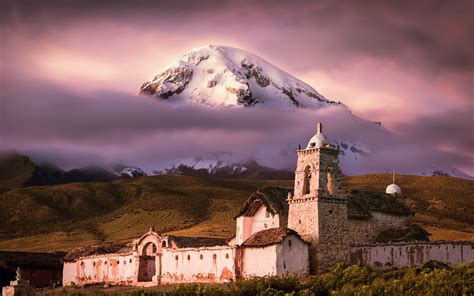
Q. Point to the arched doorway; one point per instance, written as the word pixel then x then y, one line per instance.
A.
pixel 147 264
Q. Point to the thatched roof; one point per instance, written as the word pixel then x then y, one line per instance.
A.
pixel 81 252
pixel 402 234
pixel 33 260
pixel 197 242
pixel 269 237
pixel 274 199
pixel 361 203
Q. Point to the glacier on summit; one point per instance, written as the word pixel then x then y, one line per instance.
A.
pixel 227 77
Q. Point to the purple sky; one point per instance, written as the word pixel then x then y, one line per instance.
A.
pixel 408 64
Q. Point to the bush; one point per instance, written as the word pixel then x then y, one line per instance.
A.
pixel 196 289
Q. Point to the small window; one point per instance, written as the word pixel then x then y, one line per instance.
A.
pixel 189 257
pixel 105 262
pixel 227 256
pixel 82 263
pixel 124 262
pixel 176 257
pixel 267 214
pixel 163 244
pixel 290 243
pixel 118 262
pixel 130 261
pixel 93 263
pixel 201 257
pixel 214 256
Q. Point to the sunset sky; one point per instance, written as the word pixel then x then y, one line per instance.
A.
pixel 408 64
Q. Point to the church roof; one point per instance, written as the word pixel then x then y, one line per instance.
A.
pixel 269 237
pixel 362 203
pixel 81 252
pixel 274 199
pixel 400 234
pixel 197 242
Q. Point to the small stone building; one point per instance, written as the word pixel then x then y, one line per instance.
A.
pixel 279 231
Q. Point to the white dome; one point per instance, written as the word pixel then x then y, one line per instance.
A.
pixel 393 189
pixel 317 141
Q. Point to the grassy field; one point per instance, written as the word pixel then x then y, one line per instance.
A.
pixel 61 217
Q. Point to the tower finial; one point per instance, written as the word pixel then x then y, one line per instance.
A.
pixel 393 176
pixel 319 127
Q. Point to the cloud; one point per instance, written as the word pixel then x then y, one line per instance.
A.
pixel 54 125
pixel 406 63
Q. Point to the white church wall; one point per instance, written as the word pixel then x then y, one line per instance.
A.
pixel 213 264
pixel 382 256
pixel 111 268
pixel 259 261
pixel 261 220
pixel 292 257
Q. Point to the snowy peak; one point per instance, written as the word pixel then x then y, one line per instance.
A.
pixel 223 76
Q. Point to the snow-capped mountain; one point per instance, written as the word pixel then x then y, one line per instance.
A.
pixel 224 76
pixel 221 76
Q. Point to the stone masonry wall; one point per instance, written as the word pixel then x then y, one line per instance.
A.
pixel 383 256
pixel 333 245
pixel 365 231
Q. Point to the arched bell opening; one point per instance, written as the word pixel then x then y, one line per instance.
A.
pixel 307 180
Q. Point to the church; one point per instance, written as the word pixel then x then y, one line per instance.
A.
pixel 279 231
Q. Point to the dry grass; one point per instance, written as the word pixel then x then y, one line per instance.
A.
pixel 64 216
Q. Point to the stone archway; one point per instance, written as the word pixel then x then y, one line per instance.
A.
pixel 147 262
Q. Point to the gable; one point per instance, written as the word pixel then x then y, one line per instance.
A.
pixel 273 198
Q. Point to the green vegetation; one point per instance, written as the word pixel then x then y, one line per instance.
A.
pixel 433 278
pixel 60 217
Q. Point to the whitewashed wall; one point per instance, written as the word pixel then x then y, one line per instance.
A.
pixel 292 257
pixel 246 226
pixel 112 268
pixel 382 256
pixel 213 264
pixel 259 261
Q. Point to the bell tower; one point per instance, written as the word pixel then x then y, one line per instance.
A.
pixel 317 210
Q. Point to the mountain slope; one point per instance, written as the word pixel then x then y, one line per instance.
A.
pixel 90 213
pixel 19 171
pixel 222 76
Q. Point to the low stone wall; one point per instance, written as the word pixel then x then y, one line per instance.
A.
pixel 383 256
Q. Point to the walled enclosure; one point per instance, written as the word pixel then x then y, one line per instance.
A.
pixel 382 256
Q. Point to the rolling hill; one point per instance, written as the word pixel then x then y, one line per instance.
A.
pixel 59 217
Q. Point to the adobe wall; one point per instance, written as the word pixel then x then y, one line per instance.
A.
pixel 259 261
pixel 365 231
pixel 383 256
pixel 212 264
pixel 111 268
pixel 246 226
pixel 292 257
